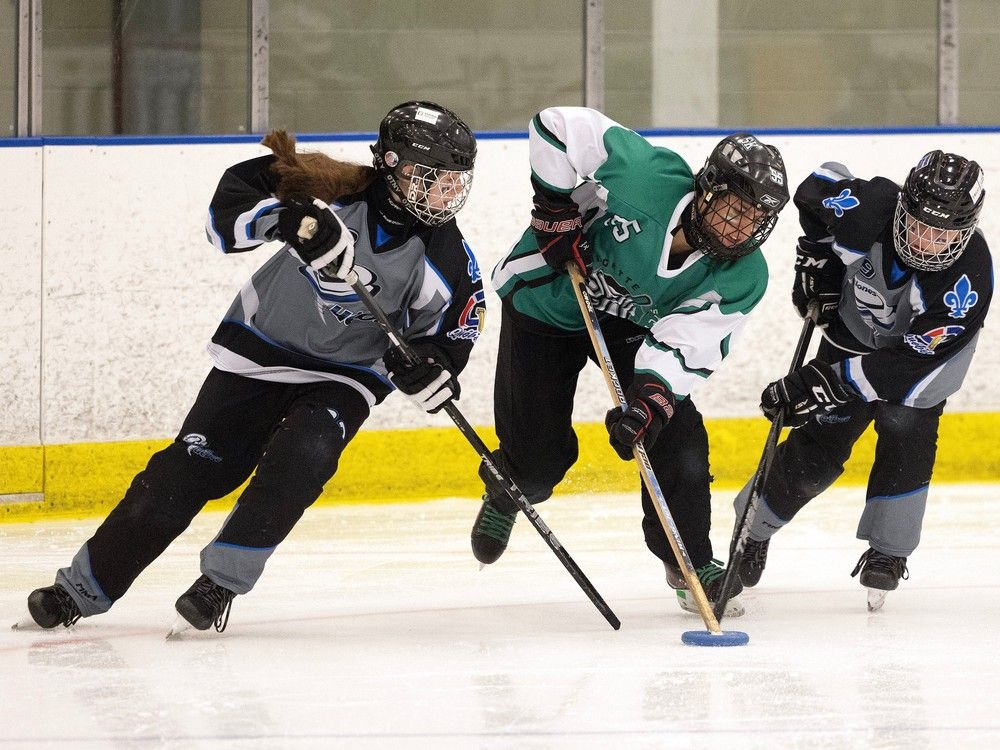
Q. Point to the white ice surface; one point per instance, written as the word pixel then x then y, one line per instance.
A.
pixel 373 627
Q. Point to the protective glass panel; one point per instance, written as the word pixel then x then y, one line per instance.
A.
pixel 8 68
pixel 978 62
pixel 341 66
pixel 137 67
pixel 759 63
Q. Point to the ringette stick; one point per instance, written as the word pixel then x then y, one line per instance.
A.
pixel 484 455
pixel 741 531
pixel 715 636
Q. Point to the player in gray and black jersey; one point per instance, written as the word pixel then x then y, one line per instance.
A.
pixel 901 281
pixel 299 361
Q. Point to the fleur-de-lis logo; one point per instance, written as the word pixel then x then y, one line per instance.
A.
pixel 843 202
pixel 961 298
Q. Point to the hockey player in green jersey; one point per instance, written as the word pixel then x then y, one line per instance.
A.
pixel 673 265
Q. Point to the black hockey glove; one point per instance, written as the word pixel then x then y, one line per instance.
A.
pixel 818 274
pixel 318 236
pixel 810 390
pixel 650 407
pixel 427 382
pixel 558 229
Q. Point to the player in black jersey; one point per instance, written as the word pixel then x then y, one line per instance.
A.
pixel 901 281
pixel 299 361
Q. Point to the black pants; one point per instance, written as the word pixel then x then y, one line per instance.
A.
pixel 536 379
pixel 293 434
pixel 813 456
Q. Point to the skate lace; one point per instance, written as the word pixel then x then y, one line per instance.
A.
pixel 875 560
pixel 757 551
pixel 710 571
pixel 219 598
pixel 69 613
pixel 495 524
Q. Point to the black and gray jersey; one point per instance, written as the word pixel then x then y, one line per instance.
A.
pixel 289 324
pixel 907 336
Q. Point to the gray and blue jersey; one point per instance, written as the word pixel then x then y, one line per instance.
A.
pixel 288 324
pixel 907 336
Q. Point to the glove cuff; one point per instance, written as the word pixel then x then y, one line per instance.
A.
pixel 656 394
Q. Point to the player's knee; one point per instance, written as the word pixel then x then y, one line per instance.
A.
pixel 308 443
pixel 897 422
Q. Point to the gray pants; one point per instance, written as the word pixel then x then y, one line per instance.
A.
pixel 813 456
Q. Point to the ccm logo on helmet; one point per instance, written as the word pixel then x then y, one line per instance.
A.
pixel 932 212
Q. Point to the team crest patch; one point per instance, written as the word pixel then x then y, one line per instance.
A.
pixel 961 298
pixel 843 202
pixel 926 343
pixel 472 320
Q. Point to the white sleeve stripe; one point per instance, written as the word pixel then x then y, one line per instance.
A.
pixel 504 272
pixel 213 234
pixel 846 254
pixel 433 283
pixel 244 226
pixel 249 300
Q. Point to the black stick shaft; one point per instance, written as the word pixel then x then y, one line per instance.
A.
pixel 741 531
pixel 484 455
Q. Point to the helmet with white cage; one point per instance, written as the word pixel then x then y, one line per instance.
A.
pixel 738 194
pixel 426 154
pixel 937 210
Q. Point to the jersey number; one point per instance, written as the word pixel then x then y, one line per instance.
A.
pixel 621 229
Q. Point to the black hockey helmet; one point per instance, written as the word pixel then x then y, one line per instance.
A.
pixel 738 194
pixel 938 210
pixel 426 154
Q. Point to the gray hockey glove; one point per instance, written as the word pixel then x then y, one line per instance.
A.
pixel 426 382
pixel 812 389
pixel 318 236
pixel 818 275
pixel 650 407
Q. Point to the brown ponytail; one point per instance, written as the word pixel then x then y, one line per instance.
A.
pixel 313 174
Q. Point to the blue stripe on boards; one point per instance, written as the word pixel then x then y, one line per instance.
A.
pixel 160 140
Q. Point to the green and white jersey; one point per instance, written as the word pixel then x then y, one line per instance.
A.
pixel 631 195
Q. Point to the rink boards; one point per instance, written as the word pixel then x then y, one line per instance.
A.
pixel 110 293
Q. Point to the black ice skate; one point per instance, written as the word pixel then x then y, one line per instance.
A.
pixel 491 531
pixel 753 562
pixel 711 575
pixel 880 574
pixel 52 606
pixel 203 605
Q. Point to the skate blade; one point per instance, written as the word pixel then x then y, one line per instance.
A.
pixel 734 608
pixel 180 625
pixel 876 598
pixel 26 623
